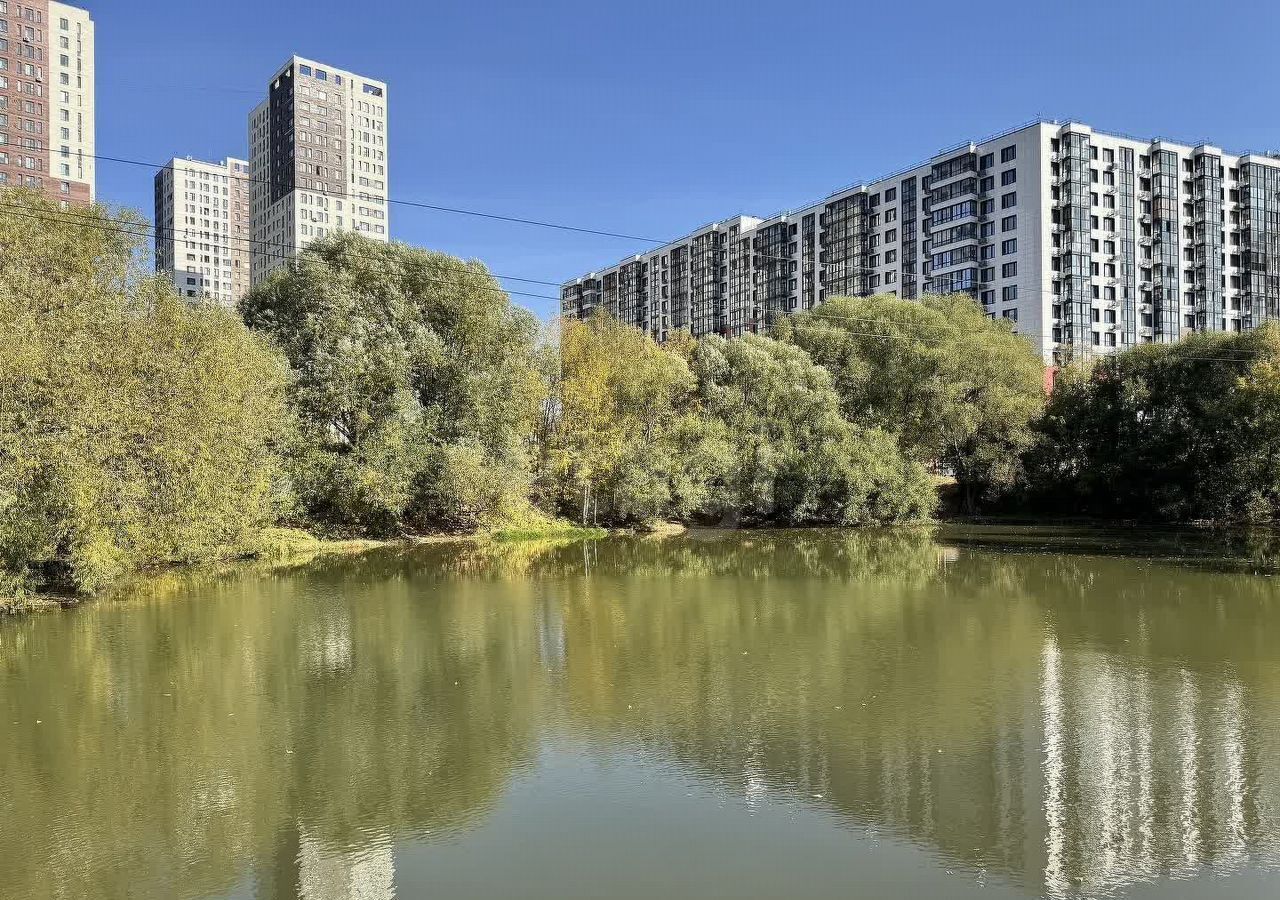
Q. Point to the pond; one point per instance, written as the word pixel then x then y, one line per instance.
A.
pixel 960 713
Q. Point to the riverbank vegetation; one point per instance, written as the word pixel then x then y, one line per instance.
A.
pixel 381 391
pixel 1163 432
pixel 134 428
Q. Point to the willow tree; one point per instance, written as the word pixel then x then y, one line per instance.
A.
pixel 957 389
pixel 790 456
pixel 135 428
pixel 417 383
pixel 625 433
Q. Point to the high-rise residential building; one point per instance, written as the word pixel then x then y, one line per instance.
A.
pixel 202 228
pixel 47 99
pixel 317 161
pixel 1087 241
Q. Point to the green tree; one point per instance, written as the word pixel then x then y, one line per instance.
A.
pixel 789 454
pixel 1171 432
pixel 958 389
pixel 625 427
pixel 417 382
pixel 135 429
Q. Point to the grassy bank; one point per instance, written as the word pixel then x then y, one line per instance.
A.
pixel 286 548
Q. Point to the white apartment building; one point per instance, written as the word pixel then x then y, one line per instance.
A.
pixel 71 64
pixel 47 99
pixel 317 161
pixel 202 228
pixel 1086 241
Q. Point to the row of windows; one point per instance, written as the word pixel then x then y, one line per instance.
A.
pixel 1007 154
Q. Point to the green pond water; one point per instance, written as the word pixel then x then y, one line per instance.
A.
pixel 962 713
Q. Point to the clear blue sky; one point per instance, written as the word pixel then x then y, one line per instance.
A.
pixel 652 118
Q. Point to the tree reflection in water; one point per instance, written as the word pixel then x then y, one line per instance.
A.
pixel 1074 723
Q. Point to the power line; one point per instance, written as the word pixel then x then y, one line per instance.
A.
pixel 397 202
pixel 213 237
pixel 139 229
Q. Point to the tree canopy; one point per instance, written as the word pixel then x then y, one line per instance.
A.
pixel 714 430
pixel 137 429
pixel 955 387
pixel 417 383
pixel 788 454
pixel 1172 432
pixel 625 429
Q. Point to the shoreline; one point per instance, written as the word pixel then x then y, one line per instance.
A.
pixel 286 548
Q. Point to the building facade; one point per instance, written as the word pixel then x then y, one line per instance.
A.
pixel 317 161
pixel 202 228
pixel 1087 241
pixel 47 100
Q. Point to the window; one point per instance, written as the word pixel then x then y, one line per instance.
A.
pixel 1009 223
pixel 304 70
pixel 1009 246
pixel 1008 177
pixel 1009 270
pixel 987 184
pixel 371 89
pixel 1009 293
pixel 1008 154
pixel 988 160
pixel 1008 200
pixel 1010 314
pixel 64 24
pixel 890 194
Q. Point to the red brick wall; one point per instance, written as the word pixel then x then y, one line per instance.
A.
pixel 28 44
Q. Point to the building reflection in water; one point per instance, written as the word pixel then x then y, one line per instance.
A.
pixel 1069 724
pixel 1144 774
pixel 366 873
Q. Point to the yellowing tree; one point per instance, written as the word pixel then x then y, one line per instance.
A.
pixel 135 429
pixel 622 424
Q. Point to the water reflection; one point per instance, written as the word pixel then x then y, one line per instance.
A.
pixel 1068 724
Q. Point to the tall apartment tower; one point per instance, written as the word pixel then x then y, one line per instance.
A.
pixel 1087 241
pixel 202 228
pixel 47 99
pixel 317 161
